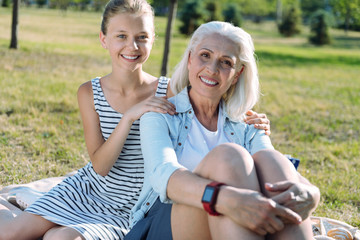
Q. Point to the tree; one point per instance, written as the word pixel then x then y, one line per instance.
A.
pixel 348 10
pixel 15 18
pixel 257 9
pixel 308 7
pixel 319 28
pixel 214 9
pixel 171 18
pixel 232 14
pixel 291 21
pixel 278 12
pixel 98 5
pixel 5 3
pixel 192 16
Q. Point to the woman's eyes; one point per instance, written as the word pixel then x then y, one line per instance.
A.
pixel 226 64
pixel 206 55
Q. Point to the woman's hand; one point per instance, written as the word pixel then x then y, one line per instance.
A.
pixel 259 120
pixel 300 197
pixel 253 211
pixel 151 104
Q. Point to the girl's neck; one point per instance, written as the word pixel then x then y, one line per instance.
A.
pixel 126 81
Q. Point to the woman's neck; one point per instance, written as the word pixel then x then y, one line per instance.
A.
pixel 207 112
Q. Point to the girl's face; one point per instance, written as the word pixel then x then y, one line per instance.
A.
pixel 213 67
pixel 129 40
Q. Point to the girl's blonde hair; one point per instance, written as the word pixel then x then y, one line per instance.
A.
pixel 245 93
pixel 114 7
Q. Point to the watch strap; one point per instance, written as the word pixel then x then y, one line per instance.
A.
pixel 210 206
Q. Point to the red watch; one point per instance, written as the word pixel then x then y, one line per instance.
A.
pixel 210 196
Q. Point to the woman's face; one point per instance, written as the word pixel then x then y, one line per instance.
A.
pixel 213 67
pixel 129 39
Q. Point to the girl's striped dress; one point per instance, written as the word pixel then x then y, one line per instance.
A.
pixel 99 207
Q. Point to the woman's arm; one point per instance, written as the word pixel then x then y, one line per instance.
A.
pixel 173 181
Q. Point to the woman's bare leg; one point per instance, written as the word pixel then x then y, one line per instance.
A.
pixel 271 167
pixel 227 163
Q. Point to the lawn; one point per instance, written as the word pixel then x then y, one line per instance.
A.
pixel 311 94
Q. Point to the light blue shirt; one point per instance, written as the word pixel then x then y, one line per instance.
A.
pixel 162 141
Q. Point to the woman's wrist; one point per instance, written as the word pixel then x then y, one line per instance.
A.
pixel 222 203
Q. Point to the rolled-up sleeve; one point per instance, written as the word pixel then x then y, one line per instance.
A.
pixel 159 155
pixel 258 141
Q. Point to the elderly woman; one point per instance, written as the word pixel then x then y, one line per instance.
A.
pixel 209 175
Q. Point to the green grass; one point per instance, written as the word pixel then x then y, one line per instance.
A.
pixel 311 94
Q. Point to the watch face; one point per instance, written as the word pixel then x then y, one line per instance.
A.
pixel 208 194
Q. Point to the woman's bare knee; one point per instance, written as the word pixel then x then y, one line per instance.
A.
pixel 229 163
pixel 274 166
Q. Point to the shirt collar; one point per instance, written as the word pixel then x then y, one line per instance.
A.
pixel 182 103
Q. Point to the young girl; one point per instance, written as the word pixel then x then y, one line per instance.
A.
pixel 96 202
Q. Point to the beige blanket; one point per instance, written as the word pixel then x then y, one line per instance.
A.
pixel 23 195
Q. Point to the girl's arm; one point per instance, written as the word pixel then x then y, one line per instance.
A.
pixel 103 154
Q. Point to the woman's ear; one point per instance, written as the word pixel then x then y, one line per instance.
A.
pixel 237 75
pixel 102 38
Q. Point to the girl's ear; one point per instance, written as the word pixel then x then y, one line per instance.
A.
pixel 102 38
pixel 189 60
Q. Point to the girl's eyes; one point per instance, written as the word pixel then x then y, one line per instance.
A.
pixel 140 38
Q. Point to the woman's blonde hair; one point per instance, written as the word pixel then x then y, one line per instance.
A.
pixel 114 7
pixel 245 93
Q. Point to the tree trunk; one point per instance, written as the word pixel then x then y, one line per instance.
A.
pixel 15 17
pixel 278 12
pixel 347 19
pixel 171 18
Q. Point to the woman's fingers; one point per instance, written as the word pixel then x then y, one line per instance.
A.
pixel 288 214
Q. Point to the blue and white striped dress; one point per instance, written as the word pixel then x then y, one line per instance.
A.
pixel 99 207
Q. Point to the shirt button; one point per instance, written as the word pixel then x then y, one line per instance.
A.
pixel 232 133
pixel 186 127
pixel 190 112
pixel 179 144
pixel 147 204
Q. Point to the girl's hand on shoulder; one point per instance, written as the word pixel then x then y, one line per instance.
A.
pixel 151 104
pixel 259 120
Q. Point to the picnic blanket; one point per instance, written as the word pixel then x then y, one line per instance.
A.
pixel 23 195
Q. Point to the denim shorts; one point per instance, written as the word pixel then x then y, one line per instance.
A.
pixel 155 226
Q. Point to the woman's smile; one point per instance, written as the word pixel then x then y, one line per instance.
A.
pixel 208 81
